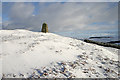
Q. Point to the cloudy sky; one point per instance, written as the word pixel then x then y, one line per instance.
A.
pixel 59 0
pixel 0 15
pixel 60 16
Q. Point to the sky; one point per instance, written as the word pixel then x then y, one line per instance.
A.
pixel 60 16
pixel 60 0
pixel 0 15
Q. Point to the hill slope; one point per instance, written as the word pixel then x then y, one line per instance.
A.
pixel 35 54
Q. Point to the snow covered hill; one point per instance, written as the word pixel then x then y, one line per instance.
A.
pixel 27 54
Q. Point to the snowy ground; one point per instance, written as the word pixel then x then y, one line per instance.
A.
pixel 28 54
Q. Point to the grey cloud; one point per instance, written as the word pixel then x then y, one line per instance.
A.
pixel 0 15
pixel 21 11
pixel 60 0
pixel 59 16
pixel 19 14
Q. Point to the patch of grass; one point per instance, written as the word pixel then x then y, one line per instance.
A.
pixel 103 44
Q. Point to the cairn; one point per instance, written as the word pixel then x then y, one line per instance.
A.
pixel 44 28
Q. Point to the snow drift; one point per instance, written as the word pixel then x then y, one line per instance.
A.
pixel 27 54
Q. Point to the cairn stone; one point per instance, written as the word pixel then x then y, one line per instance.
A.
pixel 44 28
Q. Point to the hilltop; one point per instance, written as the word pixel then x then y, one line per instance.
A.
pixel 27 54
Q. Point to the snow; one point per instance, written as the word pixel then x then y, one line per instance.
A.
pixel 27 54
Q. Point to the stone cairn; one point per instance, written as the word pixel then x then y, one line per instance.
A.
pixel 44 28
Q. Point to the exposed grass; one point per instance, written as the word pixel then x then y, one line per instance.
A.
pixel 103 44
